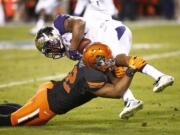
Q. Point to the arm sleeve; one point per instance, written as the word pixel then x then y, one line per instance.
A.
pixel 59 23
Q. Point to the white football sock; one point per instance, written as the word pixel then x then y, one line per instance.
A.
pixel 151 71
pixel 128 95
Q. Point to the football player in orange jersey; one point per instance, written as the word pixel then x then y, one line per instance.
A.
pixel 81 85
pixel 70 31
pixel 53 45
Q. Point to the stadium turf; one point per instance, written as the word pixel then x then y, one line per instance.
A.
pixel 161 113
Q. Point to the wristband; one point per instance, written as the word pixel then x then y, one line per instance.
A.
pixel 130 72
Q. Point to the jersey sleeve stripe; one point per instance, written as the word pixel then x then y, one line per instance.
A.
pixel 95 84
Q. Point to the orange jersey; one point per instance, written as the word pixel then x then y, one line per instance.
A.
pixel 59 97
pixel 75 89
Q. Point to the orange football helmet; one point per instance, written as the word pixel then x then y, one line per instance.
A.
pixel 98 56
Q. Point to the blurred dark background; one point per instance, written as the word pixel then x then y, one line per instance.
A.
pixel 24 10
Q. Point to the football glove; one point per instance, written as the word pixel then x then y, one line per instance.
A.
pixel 119 71
pixel 136 63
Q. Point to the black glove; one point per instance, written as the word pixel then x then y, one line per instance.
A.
pixel 74 54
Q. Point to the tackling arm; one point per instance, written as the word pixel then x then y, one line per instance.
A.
pixel 117 88
pixel 135 62
pixel 122 60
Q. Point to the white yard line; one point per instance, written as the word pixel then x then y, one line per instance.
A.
pixel 161 55
pixel 61 75
pixel 139 46
pixel 47 78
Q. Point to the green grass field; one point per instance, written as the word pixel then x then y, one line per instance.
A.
pixel 161 113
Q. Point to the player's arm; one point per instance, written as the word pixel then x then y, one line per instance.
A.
pixel 77 27
pixel 134 62
pixel 122 60
pixel 118 86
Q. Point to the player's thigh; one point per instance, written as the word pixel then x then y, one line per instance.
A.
pixel 124 43
pixel 36 111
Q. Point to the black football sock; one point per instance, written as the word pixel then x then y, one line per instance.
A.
pixel 5 120
pixel 8 108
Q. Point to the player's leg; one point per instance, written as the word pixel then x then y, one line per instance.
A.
pixel 80 7
pixel 5 111
pixel 162 80
pixel 9 108
pixel 40 10
pixel 43 9
pixel 132 105
pixel 96 10
pixel 35 112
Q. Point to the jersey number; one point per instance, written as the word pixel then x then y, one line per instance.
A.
pixel 70 79
pixel 120 31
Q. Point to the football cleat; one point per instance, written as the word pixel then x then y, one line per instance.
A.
pixel 132 106
pixel 163 82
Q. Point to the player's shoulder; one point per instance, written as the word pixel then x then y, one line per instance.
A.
pixel 93 74
pixel 60 19
pixel 59 23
